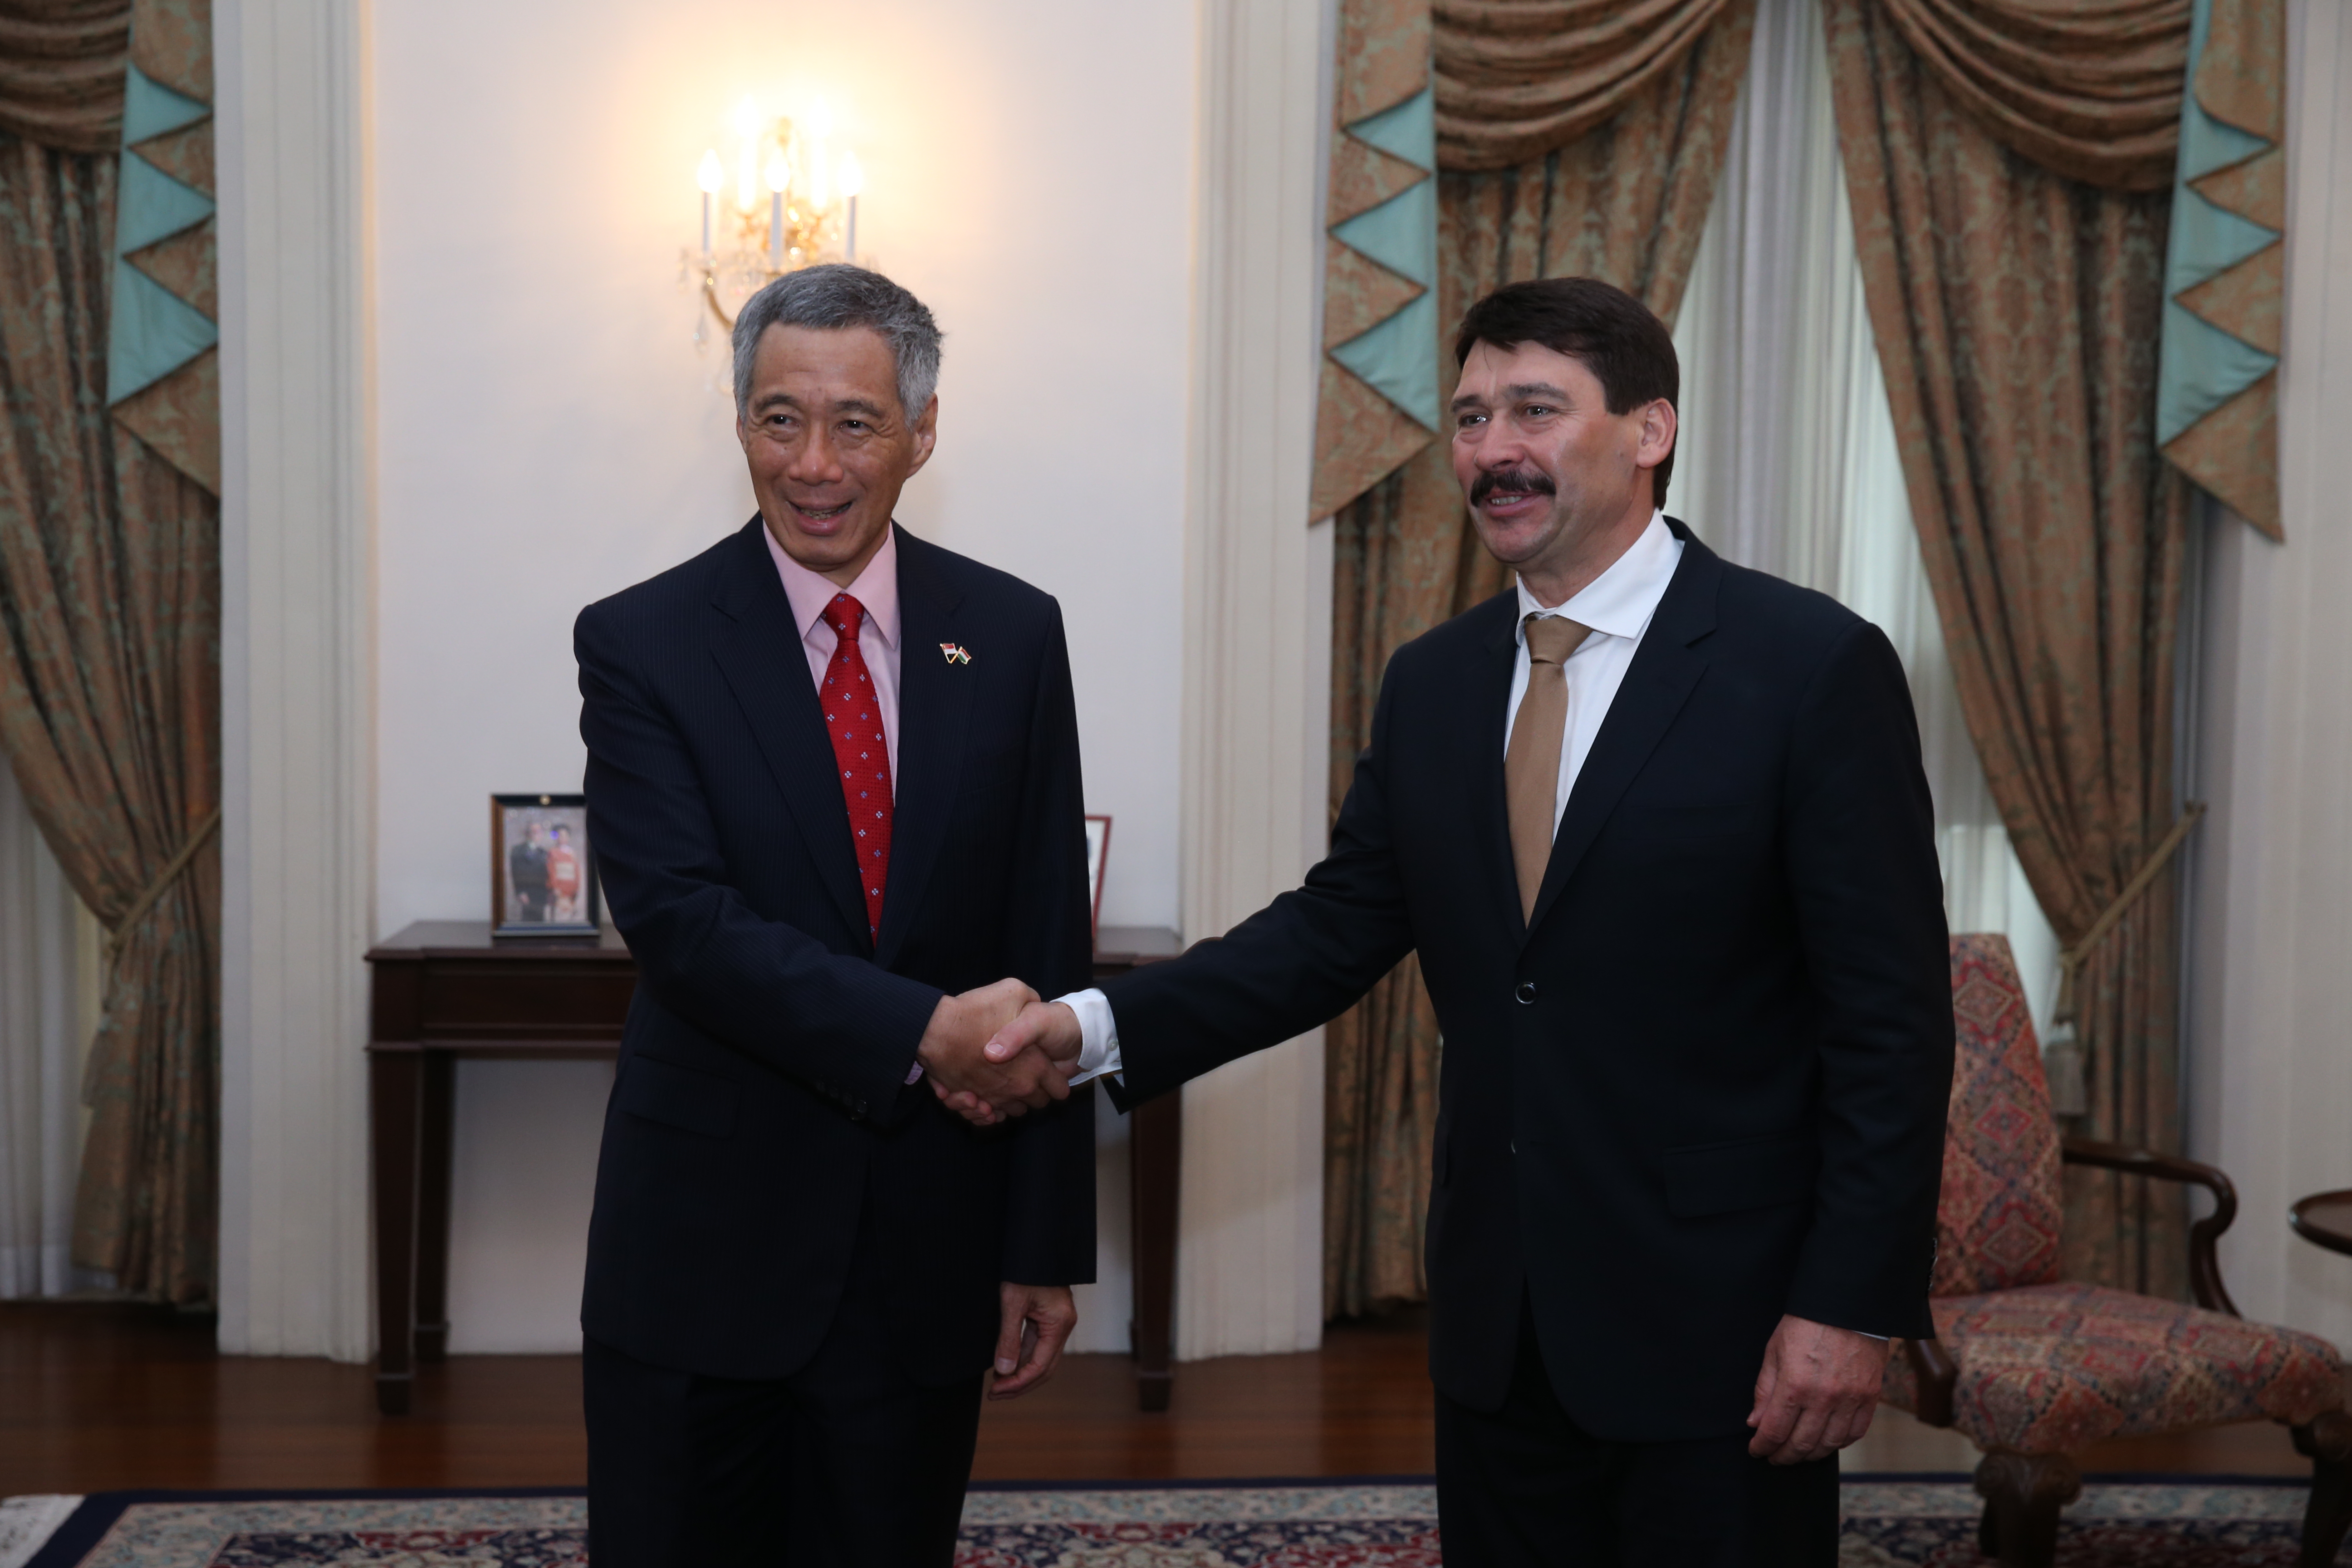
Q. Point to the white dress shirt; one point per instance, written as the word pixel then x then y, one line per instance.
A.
pixel 1617 605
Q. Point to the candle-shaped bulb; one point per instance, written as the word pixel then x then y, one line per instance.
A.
pixel 710 174
pixel 853 177
pixel 780 174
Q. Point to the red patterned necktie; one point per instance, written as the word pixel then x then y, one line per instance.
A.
pixel 853 717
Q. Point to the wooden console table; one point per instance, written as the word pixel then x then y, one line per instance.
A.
pixel 443 990
pixel 1155 1163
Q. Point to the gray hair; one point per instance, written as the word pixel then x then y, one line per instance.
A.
pixel 837 295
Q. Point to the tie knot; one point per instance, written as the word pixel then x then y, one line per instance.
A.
pixel 1551 638
pixel 844 616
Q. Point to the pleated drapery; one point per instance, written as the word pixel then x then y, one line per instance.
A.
pixel 1518 78
pixel 1626 201
pixel 110 647
pixel 2016 312
pixel 62 80
pixel 2088 90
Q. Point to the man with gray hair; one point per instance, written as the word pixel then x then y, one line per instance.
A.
pixel 832 784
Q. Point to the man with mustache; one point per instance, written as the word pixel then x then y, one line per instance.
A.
pixel 1657 829
pixel 832 784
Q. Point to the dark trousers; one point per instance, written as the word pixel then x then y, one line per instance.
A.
pixel 845 1464
pixel 1525 1487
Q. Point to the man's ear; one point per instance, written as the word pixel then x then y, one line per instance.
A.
pixel 1659 428
pixel 927 435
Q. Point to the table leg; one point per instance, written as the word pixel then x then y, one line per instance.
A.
pixel 435 1145
pixel 1155 1174
pixel 394 1108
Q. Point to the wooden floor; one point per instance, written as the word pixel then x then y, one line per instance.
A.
pixel 99 1397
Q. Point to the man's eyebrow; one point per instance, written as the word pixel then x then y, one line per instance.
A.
pixel 864 407
pixel 1515 393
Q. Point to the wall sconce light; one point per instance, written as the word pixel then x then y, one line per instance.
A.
pixel 794 203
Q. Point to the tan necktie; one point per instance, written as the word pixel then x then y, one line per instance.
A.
pixel 1531 765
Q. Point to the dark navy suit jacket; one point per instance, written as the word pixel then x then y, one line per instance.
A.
pixel 1706 1084
pixel 760 1115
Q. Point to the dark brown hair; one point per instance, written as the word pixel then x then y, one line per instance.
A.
pixel 1612 334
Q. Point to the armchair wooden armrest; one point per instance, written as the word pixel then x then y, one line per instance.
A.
pixel 1936 1373
pixel 2204 1263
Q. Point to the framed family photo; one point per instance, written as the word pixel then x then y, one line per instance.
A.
pixel 542 871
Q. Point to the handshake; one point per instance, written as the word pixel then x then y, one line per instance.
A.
pixel 999 1051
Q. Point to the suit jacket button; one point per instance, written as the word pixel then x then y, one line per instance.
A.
pixel 1527 993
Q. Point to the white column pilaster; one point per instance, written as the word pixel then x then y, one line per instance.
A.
pixel 2271 993
pixel 297 679
pixel 1249 1267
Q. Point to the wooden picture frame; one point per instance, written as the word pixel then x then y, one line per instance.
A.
pixel 1098 857
pixel 543 867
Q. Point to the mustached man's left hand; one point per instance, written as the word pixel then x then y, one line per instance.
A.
pixel 1816 1393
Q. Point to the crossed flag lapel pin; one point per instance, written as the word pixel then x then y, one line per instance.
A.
pixel 956 653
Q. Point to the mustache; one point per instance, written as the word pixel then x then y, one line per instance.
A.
pixel 1520 481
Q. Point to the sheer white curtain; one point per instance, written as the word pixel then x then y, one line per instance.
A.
pixel 41 1016
pixel 1787 460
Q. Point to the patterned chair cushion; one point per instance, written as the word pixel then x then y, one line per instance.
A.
pixel 2049 1368
pixel 1997 1221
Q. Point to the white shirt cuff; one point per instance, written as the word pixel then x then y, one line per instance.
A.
pixel 1097 1035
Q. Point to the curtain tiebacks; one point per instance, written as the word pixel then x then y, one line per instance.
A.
pixel 155 890
pixel 2063 1059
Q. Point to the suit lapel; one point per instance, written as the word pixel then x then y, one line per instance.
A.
pixel 1490 809
pixel 759 651
pixel 935 701
pixel 1664 670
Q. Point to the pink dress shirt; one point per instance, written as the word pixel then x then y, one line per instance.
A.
pixel 876 588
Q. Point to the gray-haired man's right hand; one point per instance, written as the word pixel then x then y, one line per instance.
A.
pixel 1044 1039
pixel 953 1056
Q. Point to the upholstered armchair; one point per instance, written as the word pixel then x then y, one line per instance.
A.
pixel 2032 1369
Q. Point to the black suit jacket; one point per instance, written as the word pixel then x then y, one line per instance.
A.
pixel 527 872
pixel 761 1114
pixel 1706 1084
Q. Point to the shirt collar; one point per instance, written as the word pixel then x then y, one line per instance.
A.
pixel 1620 601
pixel 877 587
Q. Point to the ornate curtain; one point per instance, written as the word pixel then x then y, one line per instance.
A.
pixel 2148 95
pixel 2224 282
pixel 2089 91
pixel 1607 172
pixel 2017 310
pixel 110 618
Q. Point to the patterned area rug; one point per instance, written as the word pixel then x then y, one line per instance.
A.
pixel 2187 1523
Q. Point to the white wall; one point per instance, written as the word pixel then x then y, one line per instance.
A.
pixel 2271 993
pixel 548 433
